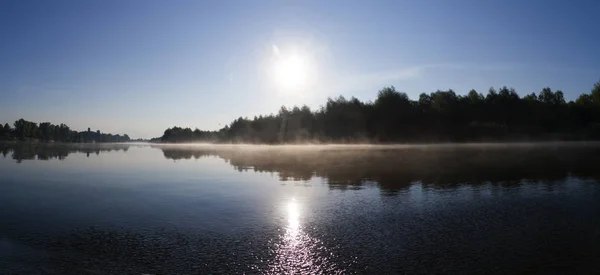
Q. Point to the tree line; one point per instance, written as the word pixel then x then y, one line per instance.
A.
pixel 24 130
pixel 441 116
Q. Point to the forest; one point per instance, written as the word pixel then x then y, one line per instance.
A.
pixel 24 130
pixel 441 116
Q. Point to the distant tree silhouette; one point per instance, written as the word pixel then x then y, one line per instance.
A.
pixel 5 132
pixel 30 131
pixel 441 116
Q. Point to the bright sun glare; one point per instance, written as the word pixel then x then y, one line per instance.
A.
pixel 291 71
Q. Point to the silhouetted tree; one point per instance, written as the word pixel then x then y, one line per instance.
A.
pixel 46 131
pixel 501 115
pixel 4 132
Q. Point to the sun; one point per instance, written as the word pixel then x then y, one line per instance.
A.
pixel 292 73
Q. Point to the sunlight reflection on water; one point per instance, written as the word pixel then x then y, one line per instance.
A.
pixel 299 253
pixel 293 212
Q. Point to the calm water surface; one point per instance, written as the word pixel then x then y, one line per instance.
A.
pixel 141 209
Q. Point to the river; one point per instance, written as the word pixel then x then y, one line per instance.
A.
pixel 304 209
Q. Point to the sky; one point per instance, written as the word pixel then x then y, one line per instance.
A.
pixel 139 67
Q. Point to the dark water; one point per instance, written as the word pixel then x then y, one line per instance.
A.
pixel 139 209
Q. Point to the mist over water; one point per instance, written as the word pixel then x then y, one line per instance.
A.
pixel 196 209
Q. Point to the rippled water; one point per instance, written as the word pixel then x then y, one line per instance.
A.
pixel 141 209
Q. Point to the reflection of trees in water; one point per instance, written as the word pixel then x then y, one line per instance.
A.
pixel 42 151
pixel 396 169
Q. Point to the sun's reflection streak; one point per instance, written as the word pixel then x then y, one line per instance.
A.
pixel 293 215
pixel 298 252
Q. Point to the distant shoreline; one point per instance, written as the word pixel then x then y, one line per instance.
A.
pixel 442 116
pixel 339 145
pixel 381 145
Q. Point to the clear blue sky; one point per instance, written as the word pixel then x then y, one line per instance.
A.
pixel 138 67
